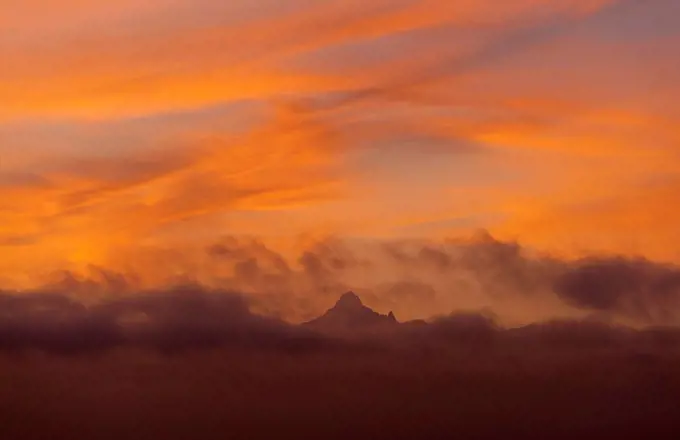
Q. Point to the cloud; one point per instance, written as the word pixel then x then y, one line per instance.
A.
pixel 171 320
pixel 65 318
pixel 169 171
pixel 95 204
pixel 72 360
pixel 636 287
pixel 417 279
pixel 53 323
pixel 144 61
pixel 272 129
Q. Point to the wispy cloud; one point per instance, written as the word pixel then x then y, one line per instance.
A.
pixel 126 125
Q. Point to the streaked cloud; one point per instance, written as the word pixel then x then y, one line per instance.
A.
pixel 171 123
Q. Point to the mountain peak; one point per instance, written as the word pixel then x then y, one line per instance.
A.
pixel 351 314
pixel 349 300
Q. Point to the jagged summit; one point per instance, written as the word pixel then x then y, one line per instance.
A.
pixel 349 300
pixel 350 313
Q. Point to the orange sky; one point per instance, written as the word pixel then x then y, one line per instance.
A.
pixel 130 125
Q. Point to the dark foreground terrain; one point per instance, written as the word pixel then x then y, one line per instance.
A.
pixel 196 366
pixel 346 394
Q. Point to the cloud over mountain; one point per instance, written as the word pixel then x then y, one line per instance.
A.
pixel 416 279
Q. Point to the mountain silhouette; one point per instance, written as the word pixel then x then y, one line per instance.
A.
pixel 348 314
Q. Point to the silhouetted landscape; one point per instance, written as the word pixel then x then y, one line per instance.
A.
pixel 189 364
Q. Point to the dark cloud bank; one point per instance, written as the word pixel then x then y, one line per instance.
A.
pixel 194 361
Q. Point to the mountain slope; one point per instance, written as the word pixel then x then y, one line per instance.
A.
pixel 350 314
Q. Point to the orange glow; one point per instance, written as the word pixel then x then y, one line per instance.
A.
pixel 171 124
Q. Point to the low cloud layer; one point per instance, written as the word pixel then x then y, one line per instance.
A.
pixel 632 287
pixel 477 290
pixel 416 279
pixel 187 317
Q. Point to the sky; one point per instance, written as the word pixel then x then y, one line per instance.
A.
pixel 135 135
pixel 186 184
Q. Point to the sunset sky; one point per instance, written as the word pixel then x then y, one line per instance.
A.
pixel 339 219
pixel 131 131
